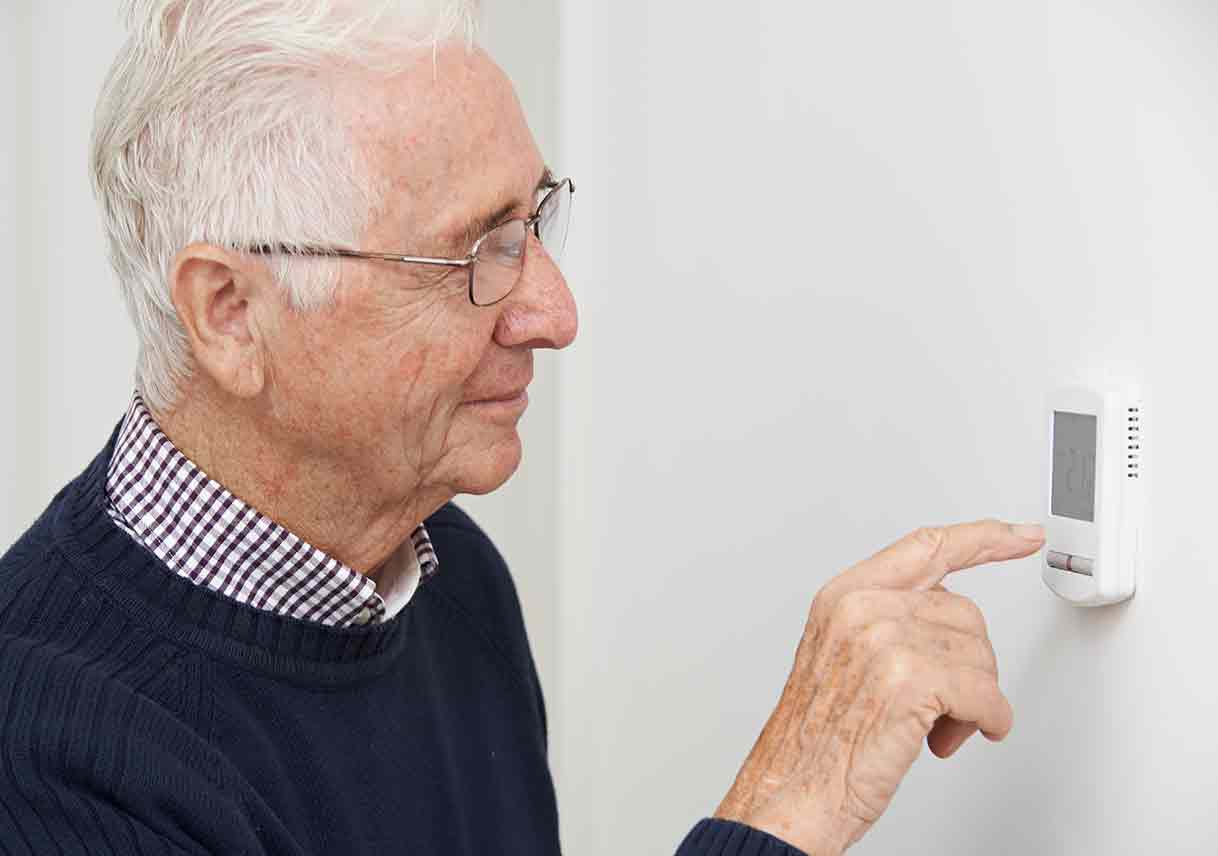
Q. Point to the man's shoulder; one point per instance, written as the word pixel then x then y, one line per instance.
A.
pixel 33 546
pixel 62 637
pixel 33 577
pixel 39 555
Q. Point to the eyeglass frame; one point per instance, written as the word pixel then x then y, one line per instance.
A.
pixel 530 223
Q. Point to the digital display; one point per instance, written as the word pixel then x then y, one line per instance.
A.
pixel 1074 442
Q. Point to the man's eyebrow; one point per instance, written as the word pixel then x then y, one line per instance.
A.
pixel 483 224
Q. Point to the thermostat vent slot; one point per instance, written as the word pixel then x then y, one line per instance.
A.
pixel 1133 446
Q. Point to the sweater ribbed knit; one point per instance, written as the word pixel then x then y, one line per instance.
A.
pixel 143 714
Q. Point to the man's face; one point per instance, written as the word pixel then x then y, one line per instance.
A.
pixel 403 383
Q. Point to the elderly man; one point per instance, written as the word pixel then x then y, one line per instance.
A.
pixel 256 623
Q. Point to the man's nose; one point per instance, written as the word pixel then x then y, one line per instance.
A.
pixel 540 312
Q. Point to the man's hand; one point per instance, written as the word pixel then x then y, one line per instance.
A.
pixel 888 658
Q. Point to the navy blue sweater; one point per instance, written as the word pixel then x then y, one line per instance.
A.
pixel 143 714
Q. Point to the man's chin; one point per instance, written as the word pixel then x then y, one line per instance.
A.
pixel 492 469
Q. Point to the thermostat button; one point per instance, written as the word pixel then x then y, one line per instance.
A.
pixel 1080 565
pixel 1067 562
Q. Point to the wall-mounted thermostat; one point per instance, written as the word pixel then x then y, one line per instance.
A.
pixel 1096 472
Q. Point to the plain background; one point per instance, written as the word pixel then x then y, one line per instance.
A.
pixel 830 258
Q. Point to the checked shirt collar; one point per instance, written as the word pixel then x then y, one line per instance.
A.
pixel 207 535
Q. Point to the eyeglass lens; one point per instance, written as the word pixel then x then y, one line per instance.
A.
pixel 553 218
pixel 500 257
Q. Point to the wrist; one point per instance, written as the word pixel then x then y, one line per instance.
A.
pixel 815 836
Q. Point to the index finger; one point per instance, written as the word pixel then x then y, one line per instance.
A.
pixel 921 560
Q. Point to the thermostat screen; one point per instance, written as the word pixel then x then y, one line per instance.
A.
pixel 1074 439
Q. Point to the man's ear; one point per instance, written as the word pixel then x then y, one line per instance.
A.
pixel 217 294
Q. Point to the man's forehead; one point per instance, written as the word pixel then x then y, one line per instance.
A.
pixel 445 136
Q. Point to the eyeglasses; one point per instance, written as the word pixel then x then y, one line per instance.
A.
pixel 496 261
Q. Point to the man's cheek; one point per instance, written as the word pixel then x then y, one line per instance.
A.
pixel 436 370
pixel 410 366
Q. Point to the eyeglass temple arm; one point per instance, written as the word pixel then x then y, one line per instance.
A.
pixel 395 257
pixel 271 249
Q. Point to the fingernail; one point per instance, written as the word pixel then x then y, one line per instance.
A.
pixel 1029 531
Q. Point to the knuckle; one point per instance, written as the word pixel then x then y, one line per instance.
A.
pixel 988 686
pixel 970 613
pixel 983 658
pixel 1002 710
pixel 930 539
pixel 992 661
pixel 852 610
pixel 823 605
pixel 956 610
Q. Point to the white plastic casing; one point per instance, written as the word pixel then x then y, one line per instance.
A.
pixel 1114 541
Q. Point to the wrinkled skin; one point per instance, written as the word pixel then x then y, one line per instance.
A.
pixel 888 658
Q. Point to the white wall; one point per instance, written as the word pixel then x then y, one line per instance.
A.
pixel 74 349
pixel 80 347
pixel 830 257
pixel 67 350
pixel 11 273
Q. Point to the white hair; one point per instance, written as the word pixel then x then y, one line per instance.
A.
pixel 216 124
